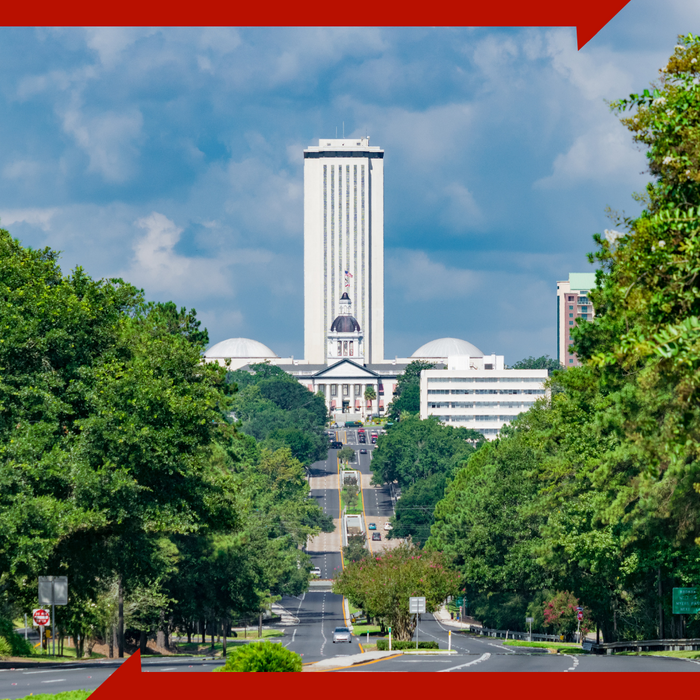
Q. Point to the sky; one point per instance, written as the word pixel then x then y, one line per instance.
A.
pixel 173 158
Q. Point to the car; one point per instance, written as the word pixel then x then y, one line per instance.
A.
pixel 388 526
pixel 336 445
pixel 363 451
pixel 373 526
pixel 376 536
pixel 316 571
pixel 342 634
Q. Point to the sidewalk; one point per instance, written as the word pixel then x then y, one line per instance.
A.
pixel 444 617
pixel 345 661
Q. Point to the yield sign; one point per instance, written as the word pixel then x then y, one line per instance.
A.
pixel 41 617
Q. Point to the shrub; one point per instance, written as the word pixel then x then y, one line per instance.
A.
pixel 262 657
pixel 383 645
pixel 16 644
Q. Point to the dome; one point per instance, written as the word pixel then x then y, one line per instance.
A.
pixel 444 347
pixel 239 347
pixel 345 324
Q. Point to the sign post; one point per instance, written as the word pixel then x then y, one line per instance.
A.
pixel 579 616
pixel 389 638
pixel 530 620
pixel 416 605
pixel 41 618
pixel 53 590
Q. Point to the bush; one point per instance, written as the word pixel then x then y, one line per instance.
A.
pixel 383 645
pixel 262 657
pixel 17 645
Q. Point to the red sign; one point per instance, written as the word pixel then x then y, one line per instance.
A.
pixel 580 614
pixel 41 617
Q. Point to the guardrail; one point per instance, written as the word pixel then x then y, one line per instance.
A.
pixel 649 645
pixel 510 634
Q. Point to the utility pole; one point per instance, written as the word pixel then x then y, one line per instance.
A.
pixel 260 625
pixel 120 621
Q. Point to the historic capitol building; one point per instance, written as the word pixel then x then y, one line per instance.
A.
pixel 344 300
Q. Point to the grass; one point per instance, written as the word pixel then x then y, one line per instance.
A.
pixel 363 629
pixel 675 654
pixel 558 646
pixel 66 695
pixel 68 655
pixel 199 648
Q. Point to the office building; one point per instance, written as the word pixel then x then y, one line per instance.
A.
pixel 573 305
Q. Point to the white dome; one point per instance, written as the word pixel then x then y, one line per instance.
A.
pixel 239 347
pixel 444 347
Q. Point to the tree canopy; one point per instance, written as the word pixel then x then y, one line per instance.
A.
pixel 407 392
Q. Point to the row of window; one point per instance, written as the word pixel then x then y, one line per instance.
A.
pixel 480 404
pixel 508 392
pixel 484 380
pixel 344 388
pixel 467 419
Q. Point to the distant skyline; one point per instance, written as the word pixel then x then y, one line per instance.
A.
pixel 174 158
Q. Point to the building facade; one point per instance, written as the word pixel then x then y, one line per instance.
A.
pixel 479 393
pixel 343 242
pixel 573 305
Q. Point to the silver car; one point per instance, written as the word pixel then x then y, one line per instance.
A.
pixel 342 634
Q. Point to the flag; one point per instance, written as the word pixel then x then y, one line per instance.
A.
pixel 347 273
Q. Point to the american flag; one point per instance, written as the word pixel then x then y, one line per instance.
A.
pixel 347 273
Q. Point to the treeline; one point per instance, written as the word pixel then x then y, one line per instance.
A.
pixel 274 408
pixel 596 491
pixel 121 468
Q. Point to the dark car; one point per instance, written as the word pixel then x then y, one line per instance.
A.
pixel 336 445
pixel 376 536
pixel 363 451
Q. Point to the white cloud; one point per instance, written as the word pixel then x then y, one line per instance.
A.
pixel 23 169
pixel 602 154
pixel 35 217
pixel 462 212
pixel 423 279
pixel 108 139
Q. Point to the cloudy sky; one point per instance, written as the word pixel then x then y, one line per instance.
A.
pixel 173 158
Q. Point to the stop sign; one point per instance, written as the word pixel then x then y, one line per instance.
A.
pixel 41 617
pixel 580 614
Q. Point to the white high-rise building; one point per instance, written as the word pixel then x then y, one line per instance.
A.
pixel 343 242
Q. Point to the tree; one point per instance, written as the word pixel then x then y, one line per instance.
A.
pixel 346 455
pixel 561 613
pixel 355 549
pixel 370 394
pixel 407 392
pixel 417 449
pixel 414 510
pixel 543 362
pixel 381 585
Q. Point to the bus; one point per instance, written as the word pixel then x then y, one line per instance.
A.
pixel 353 424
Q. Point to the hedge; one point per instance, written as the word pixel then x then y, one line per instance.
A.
pixel 383 645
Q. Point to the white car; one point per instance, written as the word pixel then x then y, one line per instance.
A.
pixel 316 571
pixel 342 634
pixel 387 526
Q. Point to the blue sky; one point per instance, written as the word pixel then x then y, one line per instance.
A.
pixel 173 158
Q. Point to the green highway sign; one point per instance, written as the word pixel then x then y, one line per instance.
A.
pixel 686 601
pixel 459 602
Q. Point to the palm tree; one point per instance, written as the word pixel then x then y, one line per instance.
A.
pixel 371 395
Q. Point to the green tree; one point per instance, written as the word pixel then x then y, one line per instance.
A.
pixel 355 549
pixel 543 362
pixel 371 396
pixel 417 449
pixel 381 585
pixel 414 510
pixel 407 392
pixel 346 455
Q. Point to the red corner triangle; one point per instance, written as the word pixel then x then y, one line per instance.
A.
pixel 595 14
pixel 114 687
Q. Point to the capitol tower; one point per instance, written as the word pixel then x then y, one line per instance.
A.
pixel 343 243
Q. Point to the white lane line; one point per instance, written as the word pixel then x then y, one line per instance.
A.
pixel 57 680
pixel 483 657
pixel 502 648
pixel 170 668
pixel 53 670
pixel 575 664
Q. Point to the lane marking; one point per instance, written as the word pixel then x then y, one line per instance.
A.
pixel 483 657
pixel 574 659
pixel 501 647
pixel 57 680
pixel 53 670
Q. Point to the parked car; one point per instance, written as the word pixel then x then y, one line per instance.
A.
pixel 342 634
pixel 387 526
pixel 373 526
pixel 376 536
pixel 316 571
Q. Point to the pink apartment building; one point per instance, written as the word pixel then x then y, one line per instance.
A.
pixel 573 305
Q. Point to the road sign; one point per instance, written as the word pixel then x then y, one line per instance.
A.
pixel 579 608
pixel 53 590
pixel 686 601
pixel 41 617
pixel 529 620
pixel 416 605
pixel 579 614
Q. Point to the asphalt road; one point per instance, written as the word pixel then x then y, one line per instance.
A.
pixel 87 676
